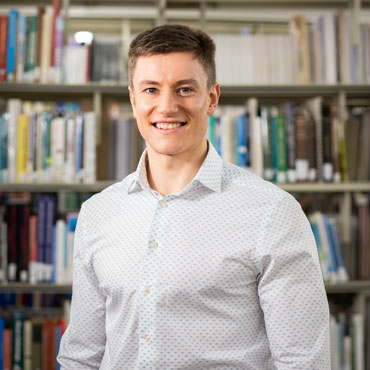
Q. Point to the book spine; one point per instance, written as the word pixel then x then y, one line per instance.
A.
pixel 21 47
pixel 49 233
pixel 3 46
pixel 24 243
pixel 327 167
pixel 2 327
pixel 18 339
pixel 57 148
pixel 40 14
pixel 289 109
pixel 266 133
pixel 31 48
pixel 32 268
pixel 12 44
pixel 58 48
pixel 7 349
pixel 14 109
pixel 281 150
pixel 41 223
pixel 49 344
pixel 27 345
pixel 22 147
pixel 241 157
pixel 4 124
pixel 12 242
pixel 45 47
pixel 89 146
pixel 79 147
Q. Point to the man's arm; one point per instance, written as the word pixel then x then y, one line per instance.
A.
pixel 291 291
pixel 82 345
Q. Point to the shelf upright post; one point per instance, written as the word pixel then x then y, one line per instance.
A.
pixel 355 22
pixel 97 111
pixel 203 9
pixel 161 7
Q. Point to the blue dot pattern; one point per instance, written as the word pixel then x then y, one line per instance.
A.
pixel 222 275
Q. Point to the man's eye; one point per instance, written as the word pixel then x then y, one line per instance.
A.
pixel 151 90
pixel 185 90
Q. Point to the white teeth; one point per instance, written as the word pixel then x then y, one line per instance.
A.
pixel 167 126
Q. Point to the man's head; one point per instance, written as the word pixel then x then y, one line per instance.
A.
pixel 173 89
pixel 170 39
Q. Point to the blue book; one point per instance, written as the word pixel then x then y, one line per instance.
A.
pixel 58 338
pixel 18 317
pixel 49 234
pixel 12 44
pixel 79 146
pixel 241 140
pixel 41 222
pixel 218 135
pixel 332 255
pixel 2 327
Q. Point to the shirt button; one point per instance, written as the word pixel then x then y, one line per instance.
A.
pixel 146 289
pixel 153 245
pixel 163 203
pixel 147 337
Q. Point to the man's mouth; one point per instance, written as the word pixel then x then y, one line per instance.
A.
pixel 168 125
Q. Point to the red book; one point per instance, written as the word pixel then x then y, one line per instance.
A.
pixel 12 242
pixel 7 349
pixel 56 10
pixel 3 45
pixel 49 345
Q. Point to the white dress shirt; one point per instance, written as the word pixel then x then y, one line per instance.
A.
pixel 222 275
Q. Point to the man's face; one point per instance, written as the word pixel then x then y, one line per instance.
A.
pixel 171 101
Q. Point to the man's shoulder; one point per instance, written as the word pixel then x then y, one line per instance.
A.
pixel 110 195
pixel 244 180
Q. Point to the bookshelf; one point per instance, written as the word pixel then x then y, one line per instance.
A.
pixel 218 16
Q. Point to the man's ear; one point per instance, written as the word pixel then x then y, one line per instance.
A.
pixel 213 96
pixel 132 100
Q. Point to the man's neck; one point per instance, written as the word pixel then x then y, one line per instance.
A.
pixel 170 174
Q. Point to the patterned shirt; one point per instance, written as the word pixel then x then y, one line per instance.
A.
pixel 221 275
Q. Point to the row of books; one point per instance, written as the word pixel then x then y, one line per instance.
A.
pixel 322 53
pixel 325 230
pixel 41 142
pixel 36 246
pixel 347 337
pixel 30 339
pixel 32 49
pixel 294 142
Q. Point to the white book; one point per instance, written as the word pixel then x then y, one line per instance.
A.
pixel 60 273
pixel 75 64
pixel 358 321
pixel 57 148
pixel 14 109
pixel 27 345
pixel 227 126
pixel 69 168
pixel 330 49
pixel 89 147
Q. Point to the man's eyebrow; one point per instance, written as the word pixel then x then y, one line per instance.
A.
pixel 148 82
pixel 189 81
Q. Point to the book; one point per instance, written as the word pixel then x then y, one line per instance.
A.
pixel 46 38
pixel 7 349
pixel 49 344
pixel 18 318
pixel 27 345
pixel 12 44
pixel 31 49
pixel 3 46
pixel 21 47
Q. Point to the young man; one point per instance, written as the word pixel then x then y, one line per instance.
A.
pixel 191 262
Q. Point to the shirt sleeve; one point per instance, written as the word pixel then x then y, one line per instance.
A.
pixel 291 290
pixel 83 343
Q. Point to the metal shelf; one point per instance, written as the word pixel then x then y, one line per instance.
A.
pixel 357 286
pixel 100 185
pixel 33 288
pixel 347 287
pixel 120 90
pixel 326 187
pixel 51 188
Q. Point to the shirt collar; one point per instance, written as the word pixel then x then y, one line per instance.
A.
pixel 209 174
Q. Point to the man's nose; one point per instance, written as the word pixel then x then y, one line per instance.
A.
pixel 167 103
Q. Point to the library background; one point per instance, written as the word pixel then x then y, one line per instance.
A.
pixel 294 108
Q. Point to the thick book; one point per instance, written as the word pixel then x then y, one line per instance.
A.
pixel 27 346
pixel 279 155
pixel 49 346
pixel 46 38
pixel 7 349
pixel 22 147
pixel 14 110
pixel 57 148
pixel 3 46
pixel 23 243
pixel 40 15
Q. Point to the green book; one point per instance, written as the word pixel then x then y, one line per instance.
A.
pixel 31 45
pixel 279 150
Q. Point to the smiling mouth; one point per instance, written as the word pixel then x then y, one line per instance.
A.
pixel 168 125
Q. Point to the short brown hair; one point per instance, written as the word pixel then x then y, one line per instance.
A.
pixel 174 38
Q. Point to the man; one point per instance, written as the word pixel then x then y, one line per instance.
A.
pixel 191 262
